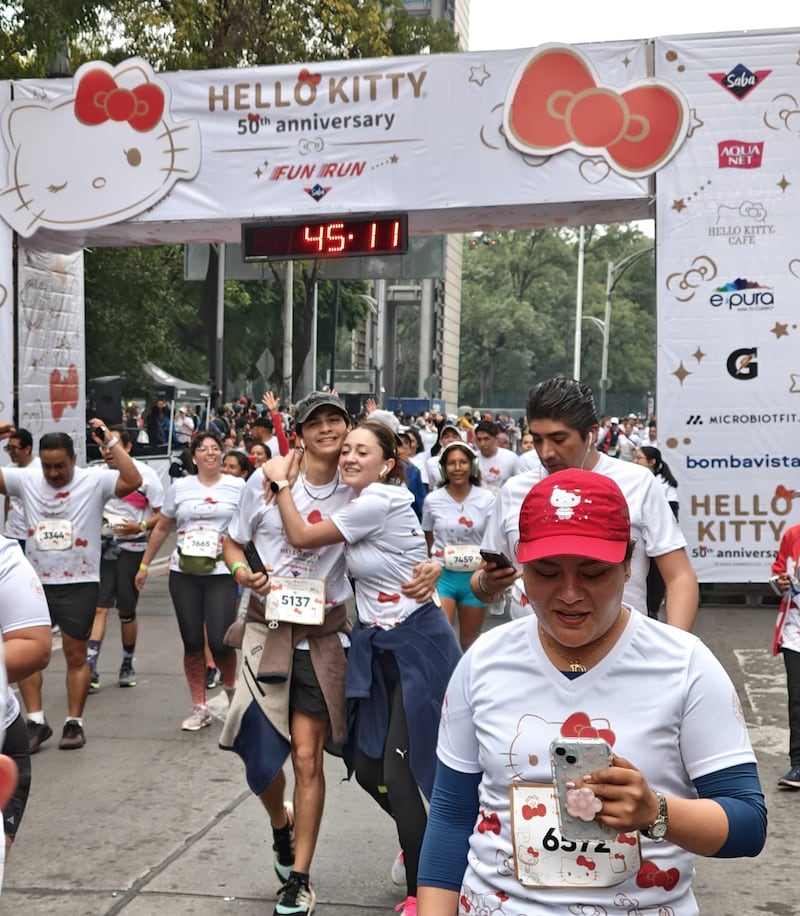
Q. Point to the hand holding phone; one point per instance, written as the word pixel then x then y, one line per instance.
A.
pixel 499 559
pixel 253 559
pixel 571 759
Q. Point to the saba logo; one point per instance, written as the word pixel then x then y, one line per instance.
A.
pixel 742 364
pixel 740 81
pixel 744 295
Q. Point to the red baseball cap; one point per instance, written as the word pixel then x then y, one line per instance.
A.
pixel 574 513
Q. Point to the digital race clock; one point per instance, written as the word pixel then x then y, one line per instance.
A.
pixel 336 237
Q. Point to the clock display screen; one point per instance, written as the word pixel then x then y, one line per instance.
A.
pixel 337 237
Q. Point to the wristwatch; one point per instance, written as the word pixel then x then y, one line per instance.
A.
pixel 277 485
pixel 658 829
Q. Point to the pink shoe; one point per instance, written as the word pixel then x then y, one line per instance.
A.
pixel 408 907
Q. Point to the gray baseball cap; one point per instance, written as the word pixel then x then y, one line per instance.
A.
pixel 311 402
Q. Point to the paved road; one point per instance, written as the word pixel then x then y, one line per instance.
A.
pixel 149 819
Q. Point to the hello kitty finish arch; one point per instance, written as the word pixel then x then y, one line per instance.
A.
pixel 112 150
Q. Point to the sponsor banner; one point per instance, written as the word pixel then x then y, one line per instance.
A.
pixel 728 287
pixel 51 356
pixel 457 140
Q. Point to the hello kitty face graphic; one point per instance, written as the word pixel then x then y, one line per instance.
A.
pixel 105 153
pixel 564 502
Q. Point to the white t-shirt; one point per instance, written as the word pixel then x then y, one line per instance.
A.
pixel 137 506
pixel 16 524
pixel 529 461
pixel 22 604
pixel 495 471
pixel 74 514
pixel 196 507
pixel 662 699
pixel 454 523
pixel 384 543
pixel 260 522
pixel 653 525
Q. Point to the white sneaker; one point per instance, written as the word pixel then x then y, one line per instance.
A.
pixel 199 718
pixel 399 870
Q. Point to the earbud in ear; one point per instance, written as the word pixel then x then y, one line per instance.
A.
pixel 384 470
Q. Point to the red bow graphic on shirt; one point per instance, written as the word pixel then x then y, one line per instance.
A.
pixel 490 823
pixel 650 875
pixel 98 99
pixel 557 104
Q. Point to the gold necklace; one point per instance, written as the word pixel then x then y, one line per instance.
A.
pixel 576 665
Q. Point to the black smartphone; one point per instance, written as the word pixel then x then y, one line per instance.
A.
pixel 500 559
pixel 100 431
pixel 253 559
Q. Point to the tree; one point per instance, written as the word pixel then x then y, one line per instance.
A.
pixel 518 311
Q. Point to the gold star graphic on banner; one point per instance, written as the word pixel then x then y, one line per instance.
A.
pixel 696 124
pixel 479 75
pixel 679 205
pixel 681 373
pixel 784 183
pixel 794 388
pixel 698 354
pixel 780 330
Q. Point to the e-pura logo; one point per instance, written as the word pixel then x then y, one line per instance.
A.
pixel 744 296
pixel 740 81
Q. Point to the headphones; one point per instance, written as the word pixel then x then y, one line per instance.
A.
pixel 474 470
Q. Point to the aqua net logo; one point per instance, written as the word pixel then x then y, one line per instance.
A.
pixel 743 296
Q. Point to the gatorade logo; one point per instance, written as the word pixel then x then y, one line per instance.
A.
pixel 742 364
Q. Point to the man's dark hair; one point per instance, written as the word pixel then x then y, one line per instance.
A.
pixel 57 440
pixel 565 400
pixel 263 423
pixel 24 438
pixel 487 426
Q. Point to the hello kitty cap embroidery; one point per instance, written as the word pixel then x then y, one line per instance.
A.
pixel 574 513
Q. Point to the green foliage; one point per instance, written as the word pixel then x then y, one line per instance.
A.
pixel 518 312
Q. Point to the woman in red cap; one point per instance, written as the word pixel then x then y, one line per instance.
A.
pixel 673 773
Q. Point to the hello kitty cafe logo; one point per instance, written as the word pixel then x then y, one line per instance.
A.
pixel 556 102
pixel 104 153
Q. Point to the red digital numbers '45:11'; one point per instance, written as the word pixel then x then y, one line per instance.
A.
pixel 357 237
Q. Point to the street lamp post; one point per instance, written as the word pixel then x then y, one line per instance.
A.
pixel 615 272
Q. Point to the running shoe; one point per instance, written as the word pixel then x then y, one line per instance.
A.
pixel 283 846
pixel 791 780
pixel 408 907
pixel 198 718
pixel 127 676
pixel 38 733
pixel 399 870
pixel 213 678
pixel 72 737
pixel 94 681
pixel 296 897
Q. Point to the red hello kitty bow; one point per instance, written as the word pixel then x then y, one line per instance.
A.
pixel 556 104
pixel 98 99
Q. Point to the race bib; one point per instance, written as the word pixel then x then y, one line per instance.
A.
pixel 462 557
pixel 54 534
pixel 296 600
pixel 112 521
pixel 543 858
pixel 201 542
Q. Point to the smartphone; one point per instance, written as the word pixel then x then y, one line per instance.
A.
pixel 773 584
pixel 500 559
pixel 100 431
pixel 253 559
pixel 571 759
